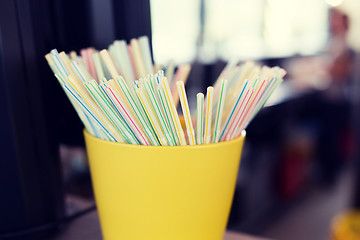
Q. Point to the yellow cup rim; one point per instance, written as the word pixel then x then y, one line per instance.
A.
pixel 211 145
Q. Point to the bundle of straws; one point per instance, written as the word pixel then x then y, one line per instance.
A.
pixel 144 111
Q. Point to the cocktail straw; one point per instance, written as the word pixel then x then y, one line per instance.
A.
pixel 266 95
pixel 109 63
pixel 182 74
pixel 174 114
pixel 65 62
pixel 208 116
pixel 186 112
pixel 98 66
pixel 132 61
pixel 56 58
pixel 249 109
pixel 149 111
pixel 73 55
pixel 93 106
pixel 103 86
pixel 166 107
pixel 234 107
pixel 146 126
pixel 145 49
pixel 91 109
pixel 52 64
pixel 156 107
pixel 170 71
pixel 145 112
pixel 104 103
pixel 200 118
pixel 239 113
pixel 118 103
pixel 138 58
pixel 92 69
pixel 82 115
pixel 220 110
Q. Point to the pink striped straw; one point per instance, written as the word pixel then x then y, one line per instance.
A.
pixel 133 68
pixel 143 139
pixel 238 115
pixel 252 106
pixel 84 55
pixel 91 63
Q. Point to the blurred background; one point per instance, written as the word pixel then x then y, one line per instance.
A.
pixel 301 162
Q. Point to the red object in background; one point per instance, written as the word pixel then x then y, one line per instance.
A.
pixel 293 175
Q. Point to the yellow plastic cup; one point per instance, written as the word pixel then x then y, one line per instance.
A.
pixel 163 193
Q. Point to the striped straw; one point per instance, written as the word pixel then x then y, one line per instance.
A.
pixel 166 109
pixel 220 110
pixel 156 107
pixel 118 102
pixel 145 48
pixel 186 112
pixel 149 111
pixel 138 58
pixel 239 113
pixel 98 66
pixel 208 116
pixel 90 112
pixel 174 114
pixel 83 115
pixel 138 111
pixel 124 61
pixel 95 109
pixel 104 103
pixel 231 115
pixel 109 63
pixel 200 118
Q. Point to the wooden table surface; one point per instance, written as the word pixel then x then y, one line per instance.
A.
pixel 88 226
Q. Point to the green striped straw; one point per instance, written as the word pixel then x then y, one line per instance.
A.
pixel 82 115
pixel 220 110
pixel 152 116
pixel 104 103
pixel 174 115
pixel 138 111
pixel 200 118
pixel 151 94
pixel 98 66
pixel 266 96
pixel 166 109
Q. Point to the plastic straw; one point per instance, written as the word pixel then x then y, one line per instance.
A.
pixel 208 116
pixel 109 64
pixel 149 111
pixel 138 112
pixel 166 108
pixel 170 71
pixel 158 111
pixel 124 61
pixel 174 114
pixel 182 74
pixel 138 58
pixel 98 66
pixel 186 112
pixel 239 113
pixel 230 116
pixel 104 103
pixel 146 112
pixel 119 104
pixel 200 118
pixel 220 111
pixel 145 48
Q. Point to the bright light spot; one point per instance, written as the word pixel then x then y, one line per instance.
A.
pixel 334 3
